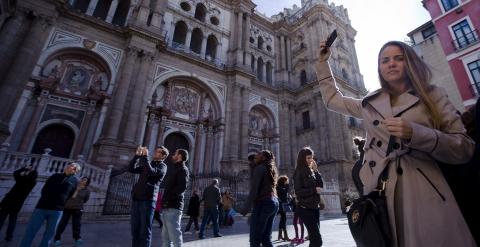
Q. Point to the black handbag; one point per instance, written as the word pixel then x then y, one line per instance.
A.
pixel 368 217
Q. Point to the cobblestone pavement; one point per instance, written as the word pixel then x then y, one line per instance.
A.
pixel 111 233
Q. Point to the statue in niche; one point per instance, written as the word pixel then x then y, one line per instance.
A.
pixel 52 79
pixel 158 96
pixel 97 89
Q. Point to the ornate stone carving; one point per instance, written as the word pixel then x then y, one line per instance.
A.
pixel 185 101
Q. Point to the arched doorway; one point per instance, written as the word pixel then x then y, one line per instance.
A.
pixel 57 137
pixel 175 141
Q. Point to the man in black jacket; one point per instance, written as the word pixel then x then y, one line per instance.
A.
pixel 144 193
pixel 57 190
pixel 211 200
pixel 172 202
pixel 25 180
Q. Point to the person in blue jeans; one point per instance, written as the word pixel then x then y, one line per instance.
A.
pixel 57 190
pixel 263 198
pixel 145 193
pixel 211 199
pixel 175 185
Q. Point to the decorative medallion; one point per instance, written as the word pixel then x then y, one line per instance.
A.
pixel 89 44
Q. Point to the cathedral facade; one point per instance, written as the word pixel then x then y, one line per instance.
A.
pixel 97 78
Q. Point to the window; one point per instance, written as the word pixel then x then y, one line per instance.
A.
pixel 474 68
pixel 185 6
pixel 303 77
pixel 214 20
pixel 464 35
pixel 429 31
pixel 200 12
pixel 260 43
pixel 449 4
pixel 269 72
pixel 306 119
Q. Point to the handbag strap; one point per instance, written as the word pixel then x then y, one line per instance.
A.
pixel 382 179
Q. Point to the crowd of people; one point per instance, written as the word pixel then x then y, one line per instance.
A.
pixel 412 131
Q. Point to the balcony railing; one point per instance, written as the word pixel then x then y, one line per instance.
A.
pixel 178 47
pixel 465 41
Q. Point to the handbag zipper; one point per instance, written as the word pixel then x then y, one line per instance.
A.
pixel 429 181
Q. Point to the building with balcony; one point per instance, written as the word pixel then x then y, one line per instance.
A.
pixel 456 23
pixel 427 45
pixel 97 78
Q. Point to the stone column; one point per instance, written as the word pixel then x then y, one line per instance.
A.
pixel 148 131
pixel 244 123
pixel 143 12
pixel 209 151
pixel 239 38
pixel 116 114
pixel 11 37
pixel 101 120
pixel 188 40
pixel 218 52
pixel 92 6
pixel 197 163
pixel 238 30
pixel 235 123
pixel 161 130
pixel 157 16
pixel 282 53
pixel 218 146
pixel 264 73
pixel 293 132
pixel 86 125
pixel 204 47
pixel 135 108
pixel 170 34
pixel 111 11
pixel 247 41
pixel 285 131
pixel 33 123
pixel 151 137
pixel 147 88
pixel 20 70
pixel 254 63
pixel 288 66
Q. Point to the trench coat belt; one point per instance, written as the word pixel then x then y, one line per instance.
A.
pixel 393 155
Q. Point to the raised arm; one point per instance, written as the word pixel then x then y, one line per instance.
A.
pixel 332 97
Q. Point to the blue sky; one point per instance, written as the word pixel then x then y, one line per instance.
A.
pixel 376 22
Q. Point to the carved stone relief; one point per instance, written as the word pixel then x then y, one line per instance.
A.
pixel 185 101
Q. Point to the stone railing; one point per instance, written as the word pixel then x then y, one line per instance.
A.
pixel 46 165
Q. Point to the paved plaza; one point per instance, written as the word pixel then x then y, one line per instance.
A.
pixel 111 233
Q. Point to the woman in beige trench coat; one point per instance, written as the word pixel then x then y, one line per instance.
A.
pixel 421 127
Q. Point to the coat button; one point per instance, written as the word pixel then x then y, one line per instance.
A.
pixel 379 143
pixel 376 122
pixel 396 145
pixel 372 163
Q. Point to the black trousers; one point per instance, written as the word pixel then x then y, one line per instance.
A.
pixel 76 215
pixel 311 219
pixel 283 220
pixel 12 222
pixel 190 221
pixel 156 216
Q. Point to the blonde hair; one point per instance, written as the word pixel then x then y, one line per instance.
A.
pixel 418 78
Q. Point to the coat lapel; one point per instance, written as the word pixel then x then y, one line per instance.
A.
pixel 405 102
pixel 380 101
